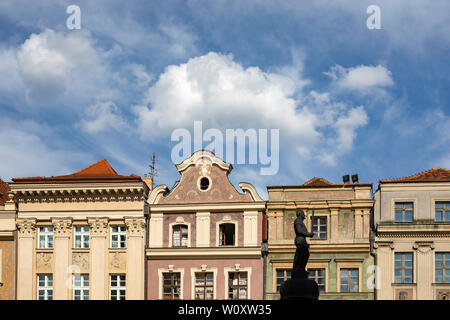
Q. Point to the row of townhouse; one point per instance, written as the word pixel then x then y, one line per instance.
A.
pixel 95 234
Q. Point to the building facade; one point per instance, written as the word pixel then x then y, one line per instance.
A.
pixel 8 245
pixel 412 242
pixel 81 236
pixel 339 215
pixel 204 236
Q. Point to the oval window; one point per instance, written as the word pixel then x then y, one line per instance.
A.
pixel 204 183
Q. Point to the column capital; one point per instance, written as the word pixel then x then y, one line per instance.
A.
pixel 62 227
pixel 26 227
pixel 98 226
pixel 135 226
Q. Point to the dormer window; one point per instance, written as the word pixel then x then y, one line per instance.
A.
pixel 204 184
pixel 180 235
pixel 227 234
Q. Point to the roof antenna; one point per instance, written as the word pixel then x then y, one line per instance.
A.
pixel 153 171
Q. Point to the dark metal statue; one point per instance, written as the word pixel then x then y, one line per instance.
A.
pixel 302 252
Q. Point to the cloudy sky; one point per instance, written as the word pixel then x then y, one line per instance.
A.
pixel 346 99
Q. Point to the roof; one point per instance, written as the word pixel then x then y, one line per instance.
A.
pixel 317 182
pixel 4 188
pixel 431 175
pixel 100 171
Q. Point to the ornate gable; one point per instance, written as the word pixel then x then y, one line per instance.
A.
pixel 204 179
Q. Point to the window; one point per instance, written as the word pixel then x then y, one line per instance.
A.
pixel 226 234
pixel 403 267
pixel 45 287
pixel 171 286
pixel 81 287
pixel 204 285
pixel 282 276
pixel 118 237
pixel 319 228
pixel 318 275
pixel 404 212
pixel 81 237
pixel 349 280
pixel 442 265
pixel 45 236
pixel 117 287
pixel 204 184
pixel 180 235
pixel 442 211
pixel 237 285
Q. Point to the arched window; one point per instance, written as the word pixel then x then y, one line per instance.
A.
pixel 226 234
pixel 180 235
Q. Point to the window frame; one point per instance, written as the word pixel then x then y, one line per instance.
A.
pixel 318 218
pixel 403 268
pixel 118 287
pixel 444 267
pixel 82 287
pixel 349 279
pixel 403 209
pixel 46 288
pixel 118 233
pixel 221 237
pixel 316 277
pixel 172 286
pixel 238 286
pixel 204 285
pixel 446 204
pixel 47 235
pixel 180 225
pixel 82 234
pixel 285 277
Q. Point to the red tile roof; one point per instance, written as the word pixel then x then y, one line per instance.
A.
pixel 4 188
pixel 97 172
pixel 317 182
pixel 431 175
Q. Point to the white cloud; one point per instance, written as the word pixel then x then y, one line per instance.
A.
pixel 223 94
pixel 142 77
pixel 362 77
pixel 101 116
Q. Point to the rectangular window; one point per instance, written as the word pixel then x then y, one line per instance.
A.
pixel 404 212
pixel 81 287
pixel 117 287
pixel 442 266
pixel 226 234
pixel 442 211
pixel 318 275
pixel 349 280
pixel 81 237
pixel 180 235
pixel 45 287
pixel 319 228
pixel 282 276
pixel 172 285
pixel 45 238
pixel 237 285
pixel 118 237
pixel 403 265
pixel 204 285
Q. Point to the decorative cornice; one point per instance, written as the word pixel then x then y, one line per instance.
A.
pixel 26 227
pixel 98 226
pixel 135 226
pixel 79 195
pixel 423 246
pixel 443 234
pixel 382 243
pixel 62 227
pixel 248 187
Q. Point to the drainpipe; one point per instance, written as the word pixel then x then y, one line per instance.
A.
pixel 264 252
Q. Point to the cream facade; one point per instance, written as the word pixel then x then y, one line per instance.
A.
pixel 81 236
pixel 412 240
pixel 340 259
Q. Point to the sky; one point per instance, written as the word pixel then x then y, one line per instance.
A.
pixel 344 98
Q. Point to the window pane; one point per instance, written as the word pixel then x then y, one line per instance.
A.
pixel 439 215
pixel 439 275
pixel 398 216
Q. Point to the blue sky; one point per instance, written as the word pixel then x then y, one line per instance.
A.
pixel 346 99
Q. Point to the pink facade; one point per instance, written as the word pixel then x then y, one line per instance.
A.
pixel 205 236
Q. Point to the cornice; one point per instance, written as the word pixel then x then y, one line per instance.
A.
pixel 210 252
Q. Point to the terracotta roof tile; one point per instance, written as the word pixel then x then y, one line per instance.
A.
pixel 99 171
pixel 318 182
pixel 431 175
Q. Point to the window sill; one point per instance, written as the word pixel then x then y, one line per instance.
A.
pixel 444 284
pixel 413 284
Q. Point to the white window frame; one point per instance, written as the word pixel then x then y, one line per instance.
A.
pixel 83 233
pixel 81 287
pixel 122 231
pixel 199 270
pixel 46 287
pixel 118 287
pixel 47 233
pixel 249 280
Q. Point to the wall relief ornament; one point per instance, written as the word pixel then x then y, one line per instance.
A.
pixel 117 260
pixel 81 259
pixel 44 261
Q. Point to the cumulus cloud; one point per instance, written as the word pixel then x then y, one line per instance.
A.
pixel 362 77
pixel 223 94
pixel 102 116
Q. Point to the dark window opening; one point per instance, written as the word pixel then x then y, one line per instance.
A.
pixel 226 234
pixel 204 183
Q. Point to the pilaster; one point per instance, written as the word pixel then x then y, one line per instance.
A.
pixel 26 236
pixel 99 248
